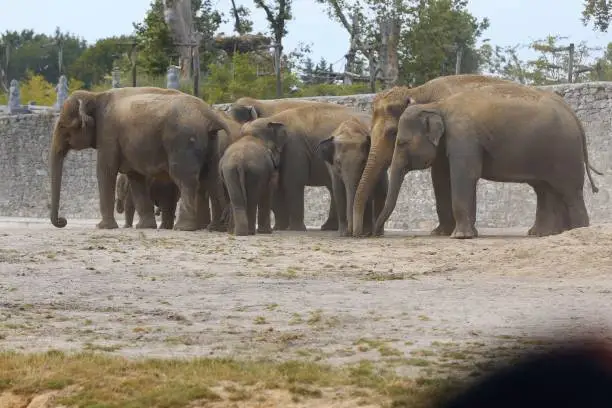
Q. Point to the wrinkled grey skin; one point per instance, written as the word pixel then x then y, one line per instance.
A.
pixel 142 132
pixel 498 133
pixel 300 166
pixel 248 169
pixel 164 194
pixel 248 109
pixel 346 154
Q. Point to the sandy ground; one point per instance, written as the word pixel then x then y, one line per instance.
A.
pixel 293 295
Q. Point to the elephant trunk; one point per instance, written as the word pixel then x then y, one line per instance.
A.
pixel 396 179
pixel 351 188
pixel 378 159
pixel 57 165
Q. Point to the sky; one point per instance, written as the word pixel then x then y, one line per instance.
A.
pixel 512 22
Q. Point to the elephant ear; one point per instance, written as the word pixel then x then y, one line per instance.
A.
pixel 252 112
pixel 278 134
pixel 433 126
pixel 325 150
pixel 86 114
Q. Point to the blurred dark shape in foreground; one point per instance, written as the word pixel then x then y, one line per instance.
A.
pixel 576 374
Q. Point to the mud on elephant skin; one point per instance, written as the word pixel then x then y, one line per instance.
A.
pixel 499 133
pixel 387 107
pixel 249 171
pixel 142 132
pixel 299 164
pixel 346 153
pixel 164 194
pixel 247 109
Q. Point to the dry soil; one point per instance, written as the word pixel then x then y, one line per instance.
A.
pixel 291 295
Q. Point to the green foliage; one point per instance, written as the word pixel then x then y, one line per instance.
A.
pixel 550 67
pixel 39 53
pixel 97 61
pixel 429 47
pixel 239 77
pixel 277 15
pixel 156 48
pixel 599 12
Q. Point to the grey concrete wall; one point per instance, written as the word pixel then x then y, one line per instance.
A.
pixel 25 190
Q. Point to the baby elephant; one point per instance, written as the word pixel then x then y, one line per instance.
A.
pixel 249 170
pixel 345 154
pixel 165 195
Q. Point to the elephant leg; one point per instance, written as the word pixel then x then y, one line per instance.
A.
pixel 253 192
pixel 203 207
pixel 185 172
pixel 263 210
pixel 440 177
pixel 333 222
pixel 550 211
pixel 380 196
pixel 142 201
pixel 577 214
pixel 340 197
pixel 129 210
pixel 465 171
pixel 106 172
pixel 218 203
pixel 281 214
pixel 368 225
pixel 168 209
pixel 295 201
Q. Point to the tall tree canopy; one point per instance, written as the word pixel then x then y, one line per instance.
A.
pixel 599 12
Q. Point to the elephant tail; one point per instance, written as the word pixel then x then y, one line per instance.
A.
pixel 588 165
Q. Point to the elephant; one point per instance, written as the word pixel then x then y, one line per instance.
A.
pixel 247 109
pixel 164 193
pixel 142 132
pixel 300 166
pixel 387 107
pixel 345 153
pixel 249 170
pixel 500 133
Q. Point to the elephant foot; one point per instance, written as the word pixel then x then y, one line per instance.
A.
pixel 145 223
pixel 217 227
pixel 107 224
pixel 264 230
pixel 344 231
pixel 330 225
pixel 297 227
pixel 464 233
pixel 442 230
pixel 280 226
pixel 126 225
pixel 185 225
pixel 166 225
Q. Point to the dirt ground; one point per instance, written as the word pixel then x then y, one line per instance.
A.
pixel 294 295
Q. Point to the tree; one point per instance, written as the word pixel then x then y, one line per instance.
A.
pixel 97 61
pixel 599 12
pixel 157 48
pixel 242 24
pixel 277 16
pixel 441 40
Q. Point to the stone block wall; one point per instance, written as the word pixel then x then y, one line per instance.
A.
pixel 25 186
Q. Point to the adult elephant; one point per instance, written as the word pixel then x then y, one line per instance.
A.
pixel 387 107
pixel 247 109
pixel 500 133
pixel 297 133
pixel 159 134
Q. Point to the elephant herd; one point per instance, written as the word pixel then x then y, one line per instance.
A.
pixel 230 171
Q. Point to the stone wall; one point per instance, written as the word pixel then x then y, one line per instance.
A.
pixel 25 187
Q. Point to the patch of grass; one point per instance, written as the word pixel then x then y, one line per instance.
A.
pixel 260 320
pixel 99 380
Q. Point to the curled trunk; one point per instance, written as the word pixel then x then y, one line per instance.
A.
pixel 396 178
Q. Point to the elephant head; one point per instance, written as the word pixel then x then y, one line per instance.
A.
pixel 273 134
pixel 75 129
pixel 121 192
pixel 346 151
pixel 420 129
pixel 244 110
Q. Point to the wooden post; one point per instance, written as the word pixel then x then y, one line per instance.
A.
pixel 570 70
